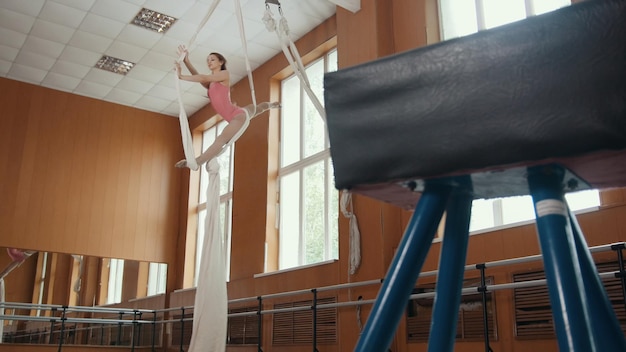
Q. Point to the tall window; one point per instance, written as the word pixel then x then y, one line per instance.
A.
pixel 225 160
pixel 157 278
pixel 488 213
pixel 116 281
pixel 308 201
pixel 464 17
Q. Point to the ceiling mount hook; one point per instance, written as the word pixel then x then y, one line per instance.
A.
pixel 275 2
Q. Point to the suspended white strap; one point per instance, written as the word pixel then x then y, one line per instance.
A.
pixel 185 131
pixel 211 301
pixel 359 324
pixel 182 115
pixel 355 234
pixel 201 24
pixel 283 30
pixel 292 55
pixel 244 45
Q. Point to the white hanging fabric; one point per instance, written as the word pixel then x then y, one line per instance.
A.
pixel 350 5
pixel 244 46
pixel 210 317
pixel 211 302
pixel 291 54
pixel 184 130
pixel 355 234
pixel 182 114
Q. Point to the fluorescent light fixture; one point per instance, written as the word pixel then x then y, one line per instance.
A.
pixel 114 65
pixel 153 20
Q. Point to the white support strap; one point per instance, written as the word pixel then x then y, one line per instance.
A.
pixel 211 300
pixel 201 25
pixel 244 46
pixel 182 115
pixel 291 54
pixel 210 315
pixel 185 131
pixel 355 234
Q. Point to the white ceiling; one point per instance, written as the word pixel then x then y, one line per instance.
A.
pixel 56 44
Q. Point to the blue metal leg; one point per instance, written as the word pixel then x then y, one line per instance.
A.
pixel 402 274
pixel 606 328
pixel 451 270
pixel 567 294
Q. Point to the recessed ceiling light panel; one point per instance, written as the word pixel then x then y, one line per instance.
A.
pixel 114 65
pixel 153 20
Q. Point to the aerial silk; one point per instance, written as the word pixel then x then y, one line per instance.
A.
pixel 291 53
pixel 355 235
pixel 182 115
pixel 211 300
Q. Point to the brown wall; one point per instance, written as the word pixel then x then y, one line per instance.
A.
pixel 381 28
pixel 86 176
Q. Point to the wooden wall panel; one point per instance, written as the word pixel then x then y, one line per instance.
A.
pixel 86 176
pixel 615 196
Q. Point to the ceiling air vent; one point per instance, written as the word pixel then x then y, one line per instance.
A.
pixel 114 65
pixel 153 20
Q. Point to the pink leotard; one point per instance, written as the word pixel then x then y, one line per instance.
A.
pixel 220 99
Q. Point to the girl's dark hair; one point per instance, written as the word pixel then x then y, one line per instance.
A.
pixel 221 58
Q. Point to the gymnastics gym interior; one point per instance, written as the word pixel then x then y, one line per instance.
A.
pixel 441 175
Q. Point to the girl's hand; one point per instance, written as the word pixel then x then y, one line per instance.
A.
pixel 183 164
pixel 182 50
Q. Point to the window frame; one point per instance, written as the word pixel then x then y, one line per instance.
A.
pixel 299 167
pixel 500 207
pixel 530 7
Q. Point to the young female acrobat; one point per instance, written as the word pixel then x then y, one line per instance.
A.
pixel 218 89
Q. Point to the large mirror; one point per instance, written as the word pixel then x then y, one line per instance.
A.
pixel 43 279
pixel 77 280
